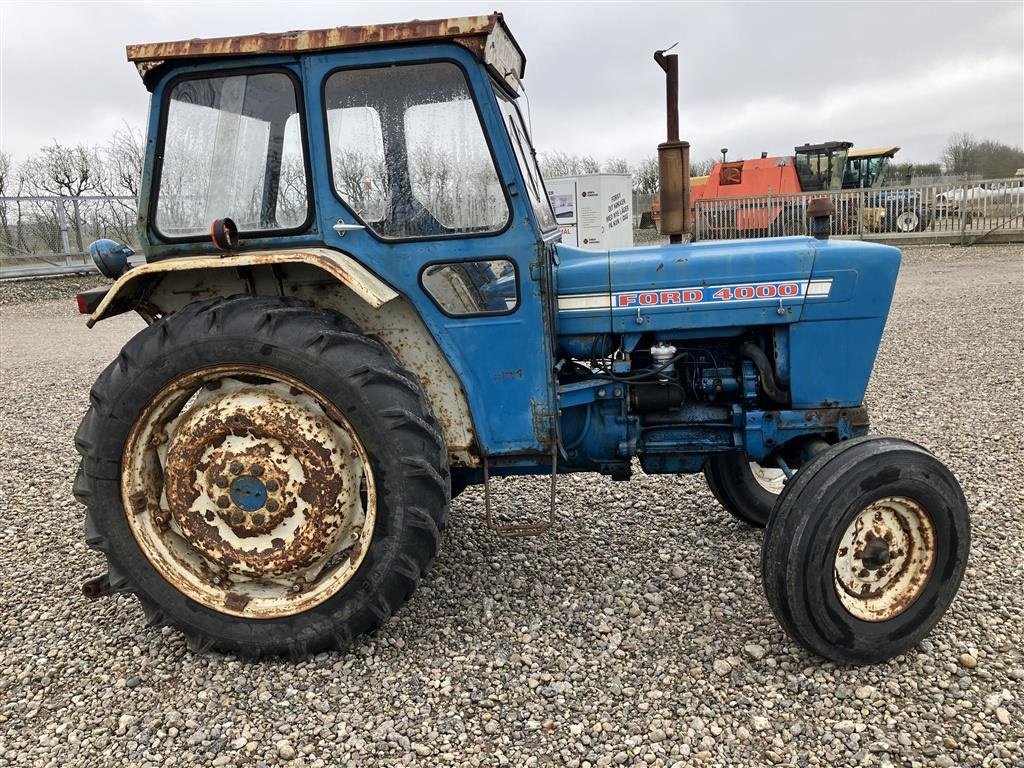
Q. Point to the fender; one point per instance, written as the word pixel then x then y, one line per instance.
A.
pixel 341 267
pixel 328 279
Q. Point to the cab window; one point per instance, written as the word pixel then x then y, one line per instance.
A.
pixel 408 152
pixel 527 162
pixel 472 287
pixel 232 147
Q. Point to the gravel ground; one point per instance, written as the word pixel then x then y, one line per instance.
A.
pixel 634 634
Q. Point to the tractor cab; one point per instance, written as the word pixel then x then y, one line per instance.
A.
pixel 835 165
pixel 397 151
pixel 866 168
pixel 822 167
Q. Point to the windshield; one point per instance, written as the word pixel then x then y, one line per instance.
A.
pixel 520 139
pixel 821 170
pixel 865 172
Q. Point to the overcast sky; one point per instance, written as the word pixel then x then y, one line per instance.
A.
pixel 754 76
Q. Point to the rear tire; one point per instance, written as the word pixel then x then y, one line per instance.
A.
pixel 197 565
pixel 734 480
pixel 866 550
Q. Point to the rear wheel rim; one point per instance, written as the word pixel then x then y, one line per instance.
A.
pixel 248 491
pixel 884 559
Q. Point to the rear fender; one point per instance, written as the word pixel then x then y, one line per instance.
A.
pixel 326 278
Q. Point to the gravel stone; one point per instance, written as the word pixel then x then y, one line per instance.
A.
pixel 754 651
pixel 285 750
pixel 634 618
pixel 722 667
pixel 968 661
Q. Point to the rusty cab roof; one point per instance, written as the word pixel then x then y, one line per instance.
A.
pixel 487 37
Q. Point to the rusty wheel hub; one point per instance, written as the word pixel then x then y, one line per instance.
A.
pixel 884 559
pixel 247 493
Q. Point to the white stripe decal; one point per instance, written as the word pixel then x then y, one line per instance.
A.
pixel 584 301
pixel 817 289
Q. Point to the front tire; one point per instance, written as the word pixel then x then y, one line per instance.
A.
pixel 747 490
pixel 866 549
pixel 262 476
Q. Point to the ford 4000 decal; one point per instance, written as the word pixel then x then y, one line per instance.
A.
pixel 775 290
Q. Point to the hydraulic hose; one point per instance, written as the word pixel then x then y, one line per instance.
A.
pixel 764 369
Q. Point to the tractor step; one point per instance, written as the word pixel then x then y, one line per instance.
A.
pixel 521 530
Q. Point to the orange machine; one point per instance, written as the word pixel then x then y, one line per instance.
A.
pixel 826 167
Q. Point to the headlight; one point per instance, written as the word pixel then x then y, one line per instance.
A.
pixel 110 257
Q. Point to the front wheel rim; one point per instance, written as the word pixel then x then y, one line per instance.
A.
pixel 771 479
pixel 884 559
pixel 248 491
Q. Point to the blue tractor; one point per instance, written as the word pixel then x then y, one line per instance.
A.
pixel 357 305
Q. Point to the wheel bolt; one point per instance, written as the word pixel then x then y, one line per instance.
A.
pixel 257 519
pixel 255 470
pixel 297 586
pixel 217 580
pixel 236 467
pixel 223 502
pixel 237 518
pixel 272 505
pixel 272 485
pixel 221 482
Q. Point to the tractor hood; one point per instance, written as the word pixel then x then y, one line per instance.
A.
pixel 825 300
pixel 691 289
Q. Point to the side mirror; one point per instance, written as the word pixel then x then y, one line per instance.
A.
pixel 110 257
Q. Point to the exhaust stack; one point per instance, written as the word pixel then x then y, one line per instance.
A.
pixel 673 159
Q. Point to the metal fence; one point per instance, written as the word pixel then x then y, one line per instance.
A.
pixel 965 213
pixel 51 235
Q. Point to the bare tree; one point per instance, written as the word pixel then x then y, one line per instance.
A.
pixel 994 160
pixel 67 172
pixel 122 160
pixel 6 173
pixel 645 176
pixel 958 156
pixel 554 164
pixel 702 167
pixel 617 165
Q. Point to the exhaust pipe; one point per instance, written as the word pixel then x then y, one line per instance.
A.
pixel 673 158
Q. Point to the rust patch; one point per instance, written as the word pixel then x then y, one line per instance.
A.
pixel 237 437
pixel 472 32
pixel 236 601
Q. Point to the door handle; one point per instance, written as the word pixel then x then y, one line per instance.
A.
pixel 342 227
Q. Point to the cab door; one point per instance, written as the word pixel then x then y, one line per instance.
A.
pixel 416 178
